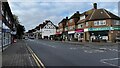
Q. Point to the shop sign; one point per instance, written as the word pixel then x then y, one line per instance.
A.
pixel 58 32
pixel 71 32
pixel 85 30
pixel 116 28
pixel 80 30
pixel 99 29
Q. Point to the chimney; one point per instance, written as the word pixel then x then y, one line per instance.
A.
pixel 95 5
pixel 66 17
pixel 77 12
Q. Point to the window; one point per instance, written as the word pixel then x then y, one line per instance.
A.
pixel 104 22
pixel 116 22
pixel 71 27
pixel 82 17
pixel 71 20
pixel 80 25
pixel 97 23
pixel 87 24
pixel 66 28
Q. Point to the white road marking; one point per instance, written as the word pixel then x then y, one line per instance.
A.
pixel 72 48
pixel 114 50
pixel 93 51
pixel 105 61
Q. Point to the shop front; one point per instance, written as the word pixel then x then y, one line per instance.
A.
pixel 71 35
pixel 58 36
pixel 64 36
pixel 6 37
pixel 99 34
pixel 79 34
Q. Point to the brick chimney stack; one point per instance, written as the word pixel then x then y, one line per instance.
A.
pixel 95 5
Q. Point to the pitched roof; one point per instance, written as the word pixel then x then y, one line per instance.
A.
pixel 47 21
pixel 100 14
pixel 75 15
pixel 87 14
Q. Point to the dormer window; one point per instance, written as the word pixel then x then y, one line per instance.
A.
pixel 82 17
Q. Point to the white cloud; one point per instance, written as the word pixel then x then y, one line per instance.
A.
pixel 33 13
pixel 63 0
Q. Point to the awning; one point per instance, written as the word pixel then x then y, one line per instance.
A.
pixel 57 33
pixel 79 31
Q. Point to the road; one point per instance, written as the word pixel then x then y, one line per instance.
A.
pixel 57 53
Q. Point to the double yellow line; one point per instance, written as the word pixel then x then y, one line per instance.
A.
pixel 37 60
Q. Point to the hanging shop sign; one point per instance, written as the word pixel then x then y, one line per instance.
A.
pixel 100 29
pixel 80 30
pixel 71 32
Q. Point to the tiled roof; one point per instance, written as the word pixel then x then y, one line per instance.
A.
pixel 87 15
pixel 100 14
pixel 47 21
pixel 75 15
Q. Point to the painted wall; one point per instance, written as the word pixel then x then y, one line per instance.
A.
pixel 48 32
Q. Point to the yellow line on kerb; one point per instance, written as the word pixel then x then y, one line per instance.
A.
pixel 37 60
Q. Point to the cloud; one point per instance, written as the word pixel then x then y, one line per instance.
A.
pixel 32 14
pixel 63 0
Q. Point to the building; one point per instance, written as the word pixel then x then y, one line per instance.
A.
pixel 7 27
pixel 48 28
pixel 101 25
pixel 0 25
pixel 62 28
pixel 82 25
pixel 72 24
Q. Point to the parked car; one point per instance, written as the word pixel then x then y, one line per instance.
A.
pixel 117 39
pixel 32 37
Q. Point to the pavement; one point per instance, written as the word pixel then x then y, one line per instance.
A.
pixel 17 55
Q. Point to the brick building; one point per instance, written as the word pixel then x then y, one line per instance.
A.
pixel 101 25
pixel 7 24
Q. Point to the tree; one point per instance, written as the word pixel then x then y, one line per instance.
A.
pixel 19 28
pixel 20 31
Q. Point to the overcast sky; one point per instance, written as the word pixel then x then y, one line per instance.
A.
pixel 32 14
